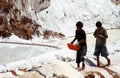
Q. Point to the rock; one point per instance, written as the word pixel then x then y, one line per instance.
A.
pixel 7 75
pixel 59 68
pixel 31 75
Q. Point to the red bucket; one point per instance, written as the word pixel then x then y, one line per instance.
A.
pixel 73 46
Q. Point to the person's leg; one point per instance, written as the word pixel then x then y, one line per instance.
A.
pixel 82 56
pixel 78 59
pixel 108 60
pixel 97 54
pixel 83 65
pixel 105 53
pixel 78 62
pixel 98 64
pixel 78 65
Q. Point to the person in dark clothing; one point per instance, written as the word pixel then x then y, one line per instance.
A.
pixel 80 36
pixel 100 48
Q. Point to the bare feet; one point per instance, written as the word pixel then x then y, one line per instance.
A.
pixel 80 69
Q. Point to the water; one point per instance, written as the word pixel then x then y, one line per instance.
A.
pixel 15 52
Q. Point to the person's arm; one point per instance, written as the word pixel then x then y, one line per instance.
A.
pixel 104 36
pixel 82 41
pixel 101 36
pixel 83 38
pixel 95 34
pixel 73 40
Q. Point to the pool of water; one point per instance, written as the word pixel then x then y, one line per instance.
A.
pixel 15 52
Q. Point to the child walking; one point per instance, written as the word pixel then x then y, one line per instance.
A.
pixel 100 48
pixel 80 36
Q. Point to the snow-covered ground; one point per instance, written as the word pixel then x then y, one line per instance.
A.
pixel 53 54
pixel 19 56
pixel 38 48
pixel 62 15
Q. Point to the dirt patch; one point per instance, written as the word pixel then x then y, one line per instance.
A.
pixel 13 22
pixel 114 74
pixel 48 33
pixel 91 74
